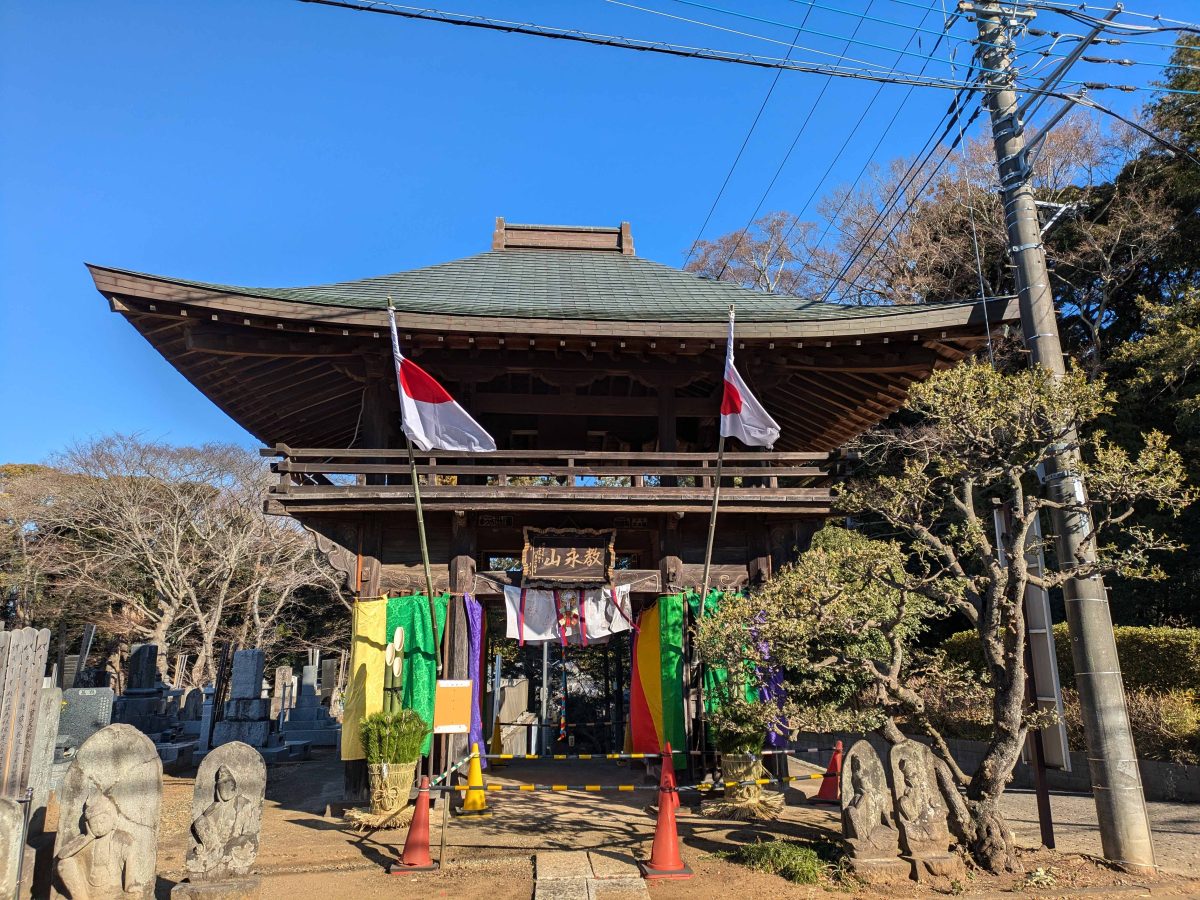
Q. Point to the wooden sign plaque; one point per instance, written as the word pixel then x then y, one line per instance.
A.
pixel 568 557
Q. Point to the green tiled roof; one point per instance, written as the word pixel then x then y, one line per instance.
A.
pixel 559 284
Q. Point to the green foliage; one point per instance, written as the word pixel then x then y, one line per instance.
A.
pixel 797 861
pixel 1166 357
pixel 393 738
pixel 817 623
pixel 1152 659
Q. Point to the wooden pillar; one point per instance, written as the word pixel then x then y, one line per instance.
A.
pixel 668 436
pixel 758 552
pixel 670 564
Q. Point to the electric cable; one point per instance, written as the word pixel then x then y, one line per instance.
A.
pixel 783 162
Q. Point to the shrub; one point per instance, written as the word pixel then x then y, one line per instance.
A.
pixel 1166 726
pixel 1152 659
pixel 793 860
pixel 393 738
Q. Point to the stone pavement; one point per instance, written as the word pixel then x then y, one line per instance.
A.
pixel 584 875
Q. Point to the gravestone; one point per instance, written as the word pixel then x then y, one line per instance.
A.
pixel 308 687
pixel 247 714
pixel 868 824
pixel 246 682
pixel 193 704
pixel 308 720
pixel 142 703
pixel 921 815
pixel 143 670
pixel 109 803
pixel 226 822
pixel 206 720
pixel 281 690
pixel 49 713
pixel 12 829
pixel 70 669
pixel 22 666
pixel 84 712
pixel 329 673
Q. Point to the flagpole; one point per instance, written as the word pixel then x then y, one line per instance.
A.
pixel 416 486
pixel 712 519
pixel 412 468
pixel 708 548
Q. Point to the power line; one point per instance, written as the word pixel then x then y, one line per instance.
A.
pixel 754 18
pixel 661 47
pixel 833 162
pixel 733 166
pixel 791 45
pixel 786 156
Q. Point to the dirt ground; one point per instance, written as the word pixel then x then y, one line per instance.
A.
pixel 306 855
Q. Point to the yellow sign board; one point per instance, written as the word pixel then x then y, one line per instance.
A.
pixel 452 707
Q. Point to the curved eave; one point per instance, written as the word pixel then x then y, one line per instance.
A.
pixel 294 373
pixel 978 314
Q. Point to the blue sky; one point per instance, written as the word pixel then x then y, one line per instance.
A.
pixel 268 142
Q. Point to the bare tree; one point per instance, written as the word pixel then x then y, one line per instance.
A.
pixel 766 256
pixel 174 541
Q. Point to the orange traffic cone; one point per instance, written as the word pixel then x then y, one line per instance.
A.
pixel 665 861
pixel 415 857
pixel 667 778
pixel 831 784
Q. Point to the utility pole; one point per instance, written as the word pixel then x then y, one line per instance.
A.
pixel 1112 758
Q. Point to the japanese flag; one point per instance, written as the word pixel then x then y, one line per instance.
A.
pixel 429 415
pixel 742 416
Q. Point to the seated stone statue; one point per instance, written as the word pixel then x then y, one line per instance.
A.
pixel 95 865
pixel 225 833
pixel 921 809
pixel 867 821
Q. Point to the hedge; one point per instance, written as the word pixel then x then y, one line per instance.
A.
pixel 1152 659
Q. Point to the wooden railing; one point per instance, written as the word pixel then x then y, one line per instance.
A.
pixel 330 479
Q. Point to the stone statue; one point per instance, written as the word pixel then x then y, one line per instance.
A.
pixel 868 826
pixel 921 813
pixel 98 862
pixel 108 818
pixel 226 821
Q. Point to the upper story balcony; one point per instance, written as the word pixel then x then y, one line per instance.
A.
pixel 335 481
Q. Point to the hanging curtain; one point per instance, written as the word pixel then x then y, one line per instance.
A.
pixel 656 695
pixel 420 651
pixel 474 611
pixel 364 686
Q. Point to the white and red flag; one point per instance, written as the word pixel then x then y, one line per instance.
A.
pixel 428 414
pixel 742 416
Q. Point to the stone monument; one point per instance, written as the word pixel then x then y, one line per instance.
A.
pixel 329 674
pixel 12 830
pixel 308 720
pixel 106 847
pixel 85 711
pixel 868 825
pixel 149 706
pixel 49 713
pixel 226 821
pixel 248 713
pixel 921 814
pixel 281 693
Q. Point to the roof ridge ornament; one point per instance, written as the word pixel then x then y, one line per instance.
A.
pixel 605 239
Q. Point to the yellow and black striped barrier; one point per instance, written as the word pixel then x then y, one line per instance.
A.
pixel 621 788
pixel 570 756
